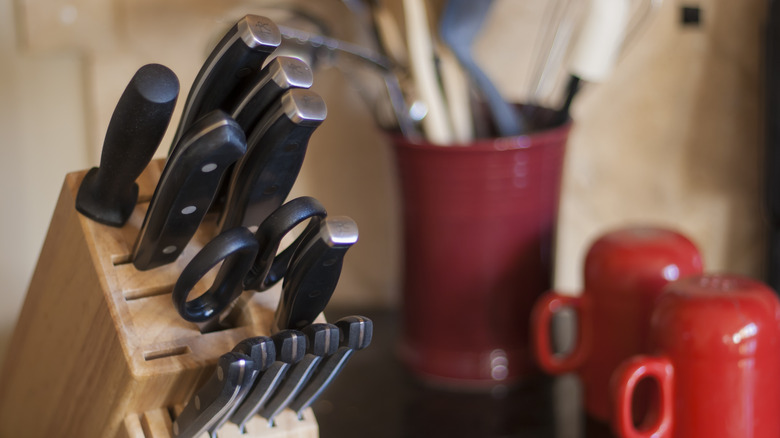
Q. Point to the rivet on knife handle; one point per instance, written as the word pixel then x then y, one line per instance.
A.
pixel 242 50
pixel 187 187
pixel 275 151
pixel 290 348
pixel 356 333
pixel 323 342
pixel 215 397
pixel 108 193
pixel 314 272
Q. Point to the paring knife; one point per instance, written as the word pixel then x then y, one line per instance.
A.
pixel 279 75
pixel 314 272
pixel 275 152
pixel 108 193
pixel 240 53
pixel 262 351
pixel 290 348
pixel 356 333
pixel 187 187
pixel 215 397
pixel 323 342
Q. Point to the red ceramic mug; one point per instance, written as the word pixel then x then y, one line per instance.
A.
pixel 625 270
pixel 717 363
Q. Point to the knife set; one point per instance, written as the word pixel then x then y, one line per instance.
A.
pixel 664 349
pixel 100 349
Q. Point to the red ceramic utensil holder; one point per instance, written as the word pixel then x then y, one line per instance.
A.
pixel 478 233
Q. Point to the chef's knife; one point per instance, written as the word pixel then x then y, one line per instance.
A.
pixel 275 152
pixel 262 351
pixel 279 75
pixel 323 342
pixel 187 187
pixel 215 397
pixel 356 333
pixel 314 272
pixel 290 346
pixel 108 193
pixel 241 52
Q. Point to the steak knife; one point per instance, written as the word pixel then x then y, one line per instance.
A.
pixel 323 342
pixel 275 152
pixel 290 348
pixel 314 272
pixel 263 353
pixel 187 187
pixel 356 333
pixel 215 397
pixel 240 52
pixel 108 193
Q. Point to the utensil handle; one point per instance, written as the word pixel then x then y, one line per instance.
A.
pixel 626 379
pixel 541 316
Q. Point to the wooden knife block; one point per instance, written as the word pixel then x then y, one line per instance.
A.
pixel 99 350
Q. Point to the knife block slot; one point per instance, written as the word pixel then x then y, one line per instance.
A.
pixel 161 354
pixel 99 349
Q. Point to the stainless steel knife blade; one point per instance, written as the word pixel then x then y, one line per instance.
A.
pixel 314 272
pixel 187 187
pixel 275 152
pixel 290 348
pixel 356 333
pixel 323 341
pixel 215 397
pixel 108 193
pixel 241 51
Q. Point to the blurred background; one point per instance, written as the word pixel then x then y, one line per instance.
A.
pixel 673 137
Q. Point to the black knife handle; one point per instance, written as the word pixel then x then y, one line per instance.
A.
pixel 355 334
pixel 314 272
pixel 108 193
pixel 280 74
pixel 187 187
pixel 323 341
pixel 356 331
pixel 270 267
pixel 240 52
pixel 291 346
pixel 275 152
pixel 215 397
pixel 236 249
pixel 260 348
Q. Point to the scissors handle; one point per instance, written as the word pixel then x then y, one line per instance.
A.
pixel 269 267
pixel 236 249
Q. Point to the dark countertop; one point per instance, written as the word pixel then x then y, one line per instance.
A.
pixel 375 397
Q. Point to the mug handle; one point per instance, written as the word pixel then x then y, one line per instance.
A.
pixel 625 380
pixel 545 307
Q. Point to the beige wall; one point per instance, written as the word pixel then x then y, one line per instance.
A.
pixel 673 138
